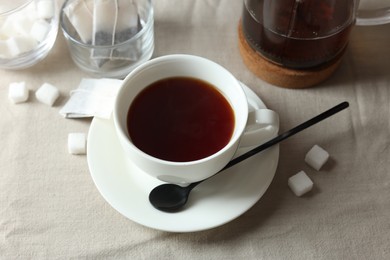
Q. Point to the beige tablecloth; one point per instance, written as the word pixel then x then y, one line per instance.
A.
pixel 51 209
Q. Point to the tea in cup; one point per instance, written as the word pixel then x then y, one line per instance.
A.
pixel 181 118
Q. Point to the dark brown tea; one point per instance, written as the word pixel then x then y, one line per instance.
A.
pixel 180 119
pixel 298 34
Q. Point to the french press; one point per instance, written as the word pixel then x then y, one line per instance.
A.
pixel 299 43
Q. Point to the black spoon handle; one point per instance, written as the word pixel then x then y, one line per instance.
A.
pixel 281 137
pixel 288 133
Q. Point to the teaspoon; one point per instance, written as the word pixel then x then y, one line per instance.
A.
pixel 171 197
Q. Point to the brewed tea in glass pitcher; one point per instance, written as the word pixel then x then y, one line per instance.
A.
pixel 299 43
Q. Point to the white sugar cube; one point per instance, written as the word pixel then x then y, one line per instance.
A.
pixel 77 143
pixel 316 157
pixel 47 94
pixel 17 25
pixel 20 44
pixel 18 92
pixel 4 51
pixel 300 183
pixel 39 30
pixel 45 9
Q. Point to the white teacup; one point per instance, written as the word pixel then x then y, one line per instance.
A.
pixel 249 128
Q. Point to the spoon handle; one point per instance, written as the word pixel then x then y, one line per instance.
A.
pixel 288 133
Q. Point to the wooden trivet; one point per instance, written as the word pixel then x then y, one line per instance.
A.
pixel 281 76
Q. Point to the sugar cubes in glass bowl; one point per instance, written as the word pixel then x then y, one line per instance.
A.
pixel 28 29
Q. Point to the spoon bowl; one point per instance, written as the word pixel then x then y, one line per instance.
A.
pixel 175 196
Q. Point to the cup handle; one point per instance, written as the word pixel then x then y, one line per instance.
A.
pixel 373 17
pixel 262 125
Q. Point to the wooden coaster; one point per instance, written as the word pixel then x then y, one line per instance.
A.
pixel 281 76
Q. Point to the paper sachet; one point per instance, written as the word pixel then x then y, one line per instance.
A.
pixel 93 97
pixel 80 15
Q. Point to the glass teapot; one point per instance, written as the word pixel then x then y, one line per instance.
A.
pixel 304 34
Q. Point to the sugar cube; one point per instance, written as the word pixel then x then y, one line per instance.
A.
pixel 4 51
pixel 39 30
pixel 20 44
pixel 45 9
pixel 316 157
pixel 18 92
pixel 300 183
pixel 17 25
pixel 47 94
pixel 77 143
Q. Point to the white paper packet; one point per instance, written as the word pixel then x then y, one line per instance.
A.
pixel 93 97
pixel 80 15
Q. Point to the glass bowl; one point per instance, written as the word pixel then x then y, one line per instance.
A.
pixel 28 30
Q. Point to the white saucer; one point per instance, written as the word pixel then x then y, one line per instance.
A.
pixel 213 203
